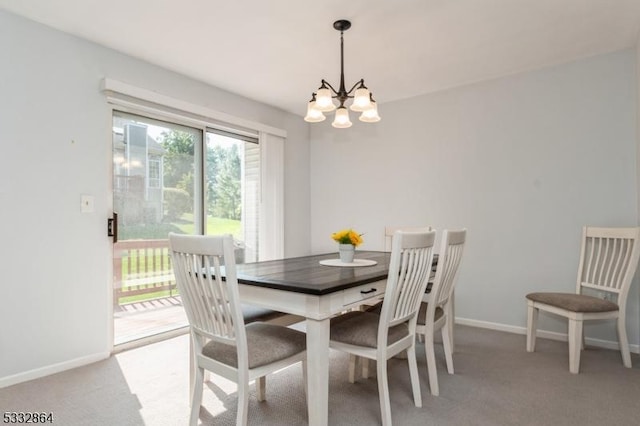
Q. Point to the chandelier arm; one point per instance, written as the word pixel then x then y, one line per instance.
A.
pixel 326 83
pixel 358 84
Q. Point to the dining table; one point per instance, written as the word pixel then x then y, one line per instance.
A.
pixel 317 288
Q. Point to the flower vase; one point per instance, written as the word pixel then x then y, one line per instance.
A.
pixel 346 252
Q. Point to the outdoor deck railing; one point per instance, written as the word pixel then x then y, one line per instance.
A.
pixel 142 267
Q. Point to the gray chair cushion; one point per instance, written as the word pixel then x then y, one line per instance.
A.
pixel 422 313
pixel 267 343
pixel 361 329
pixel 574 302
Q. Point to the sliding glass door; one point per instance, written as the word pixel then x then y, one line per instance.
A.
pixel 169 177
pixel 153 187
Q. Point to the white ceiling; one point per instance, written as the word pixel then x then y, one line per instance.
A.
pixel 277 51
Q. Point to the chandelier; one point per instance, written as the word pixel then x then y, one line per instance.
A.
pixel 322 100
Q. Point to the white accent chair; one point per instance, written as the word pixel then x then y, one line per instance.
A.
pixel 608 262
pixel 221 342
pixel 380 337
pixel 435 312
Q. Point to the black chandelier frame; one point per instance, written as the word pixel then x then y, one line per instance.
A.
pixel 342 95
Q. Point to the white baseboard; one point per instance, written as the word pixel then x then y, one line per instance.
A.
pixel 552 335
pixel 51 369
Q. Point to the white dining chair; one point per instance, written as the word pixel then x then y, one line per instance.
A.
pixel 608 262
pixel 435 314
pixel 221 342
pixel 388 234
pixel 375 306
pixel 390 230
pixel 380 337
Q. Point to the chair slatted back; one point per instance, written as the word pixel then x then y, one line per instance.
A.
pixel 409 269
pixel 390 230
pixel 608 259
pixel 211 303
pixel 449 258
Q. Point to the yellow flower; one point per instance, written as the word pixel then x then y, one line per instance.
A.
pixel 356 239
pixel 347 236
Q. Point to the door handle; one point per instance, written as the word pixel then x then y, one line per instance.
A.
pixel 112 227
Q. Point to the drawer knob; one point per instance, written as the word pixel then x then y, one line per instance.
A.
pixel 367 291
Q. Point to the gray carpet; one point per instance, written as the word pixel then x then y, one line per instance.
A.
pixel 496 383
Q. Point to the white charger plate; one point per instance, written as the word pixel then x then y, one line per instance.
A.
pixel 355 263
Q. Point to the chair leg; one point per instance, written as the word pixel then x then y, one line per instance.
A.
pixel 261 386
pixel 383 391
pixel 196 399
pixel 451 319
pixel 243 403
pixel 447 344
pixel 413 372
pixel 365 367
pixel 353 365
pixel 305 382
pixel 575 336
pixel 623 341
pixel 532 326
pixel 431 362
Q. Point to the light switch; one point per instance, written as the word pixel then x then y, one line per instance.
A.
pixel 86 203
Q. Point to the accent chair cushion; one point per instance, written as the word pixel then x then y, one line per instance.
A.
pixel 574 302
pixel 361 329
pixel 266 343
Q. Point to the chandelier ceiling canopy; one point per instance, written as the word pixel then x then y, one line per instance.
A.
pixel 323 99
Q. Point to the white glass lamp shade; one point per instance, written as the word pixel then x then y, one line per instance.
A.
pixel 341 121
pixel 361 100
pixel 324 103
pixel 313 114
pixel 370 115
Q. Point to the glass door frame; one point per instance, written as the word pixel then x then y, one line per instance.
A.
pixel 198 212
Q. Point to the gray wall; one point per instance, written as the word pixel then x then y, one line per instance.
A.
pixel 55 131
pixel 523 162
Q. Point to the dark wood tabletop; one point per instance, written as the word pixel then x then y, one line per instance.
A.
pixel 306 275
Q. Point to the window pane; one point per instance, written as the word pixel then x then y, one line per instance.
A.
pixel 232 181
pixel 153 176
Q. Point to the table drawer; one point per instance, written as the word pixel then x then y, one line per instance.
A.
pixel 363 293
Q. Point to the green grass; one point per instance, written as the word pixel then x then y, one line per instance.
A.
pixel 215 225
pixel 146 232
